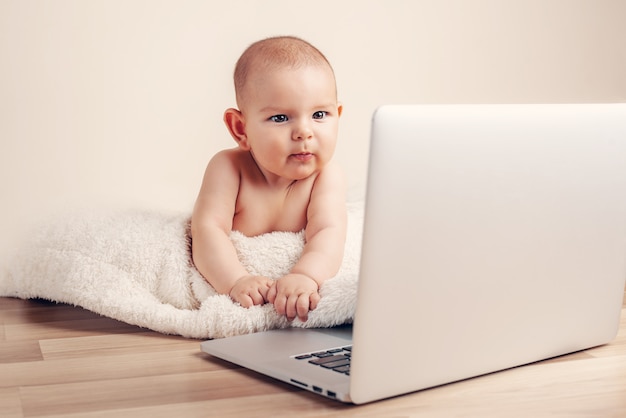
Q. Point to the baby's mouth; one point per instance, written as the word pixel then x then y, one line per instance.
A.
pixel 302 156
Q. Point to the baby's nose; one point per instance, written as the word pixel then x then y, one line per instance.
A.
pixel 302 131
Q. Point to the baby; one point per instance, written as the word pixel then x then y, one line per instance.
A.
pixel 280 177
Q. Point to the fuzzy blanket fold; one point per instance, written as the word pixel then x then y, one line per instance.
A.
pixel 136 267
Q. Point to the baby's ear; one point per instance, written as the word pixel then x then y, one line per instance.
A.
pixel 236 125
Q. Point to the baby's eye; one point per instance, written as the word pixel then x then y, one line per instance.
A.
pixel 320 114
pixel 279 118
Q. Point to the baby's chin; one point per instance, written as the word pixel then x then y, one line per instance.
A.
pixel 304 174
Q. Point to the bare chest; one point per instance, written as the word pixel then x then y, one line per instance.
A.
pixel 261 211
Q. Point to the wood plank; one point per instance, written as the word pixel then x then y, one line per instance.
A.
pixel 18 311
pixel 20 351
pixel 86 369
pixel 10 403
pixel 67 328
pixel 144 391
pixel 115 344
pixel 284 404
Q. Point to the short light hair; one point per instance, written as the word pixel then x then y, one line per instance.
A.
pixel 276 52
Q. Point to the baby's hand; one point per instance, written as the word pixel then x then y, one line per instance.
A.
pixel 250 290
pixel 294 295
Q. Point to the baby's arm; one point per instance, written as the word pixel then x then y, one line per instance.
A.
pixel 213 253
pixel 297 293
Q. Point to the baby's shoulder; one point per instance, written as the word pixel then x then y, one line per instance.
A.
pixel 233 159
pixel 230 154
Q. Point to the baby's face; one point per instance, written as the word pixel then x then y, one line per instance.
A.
pixel 291 120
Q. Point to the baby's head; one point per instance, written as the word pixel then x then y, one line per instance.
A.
pixel 288 111
pixel 272 54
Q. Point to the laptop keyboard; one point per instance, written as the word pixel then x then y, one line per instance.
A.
pixel 335 359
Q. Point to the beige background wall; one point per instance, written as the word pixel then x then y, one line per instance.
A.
pixel 118 103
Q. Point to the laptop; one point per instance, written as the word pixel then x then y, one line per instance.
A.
pixel 494 236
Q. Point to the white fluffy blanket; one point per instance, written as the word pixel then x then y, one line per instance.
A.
pixel 136 267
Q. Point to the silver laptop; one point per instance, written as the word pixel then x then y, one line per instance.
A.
pixel 494 236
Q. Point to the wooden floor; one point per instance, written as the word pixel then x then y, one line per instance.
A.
pixel 58 360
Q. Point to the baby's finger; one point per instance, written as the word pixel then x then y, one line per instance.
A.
pixel 314 300
pixel 271 293
pixel 257 298
pixel 245 301
pixel 291 307
pixel 264 290
pixel 280 304
pixel 302 307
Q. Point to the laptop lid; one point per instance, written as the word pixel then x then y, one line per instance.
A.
pixel 494 236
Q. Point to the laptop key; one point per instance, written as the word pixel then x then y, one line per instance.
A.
pixel 342 369
pixel 330 359
pixel 322 354
pixel 335 364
